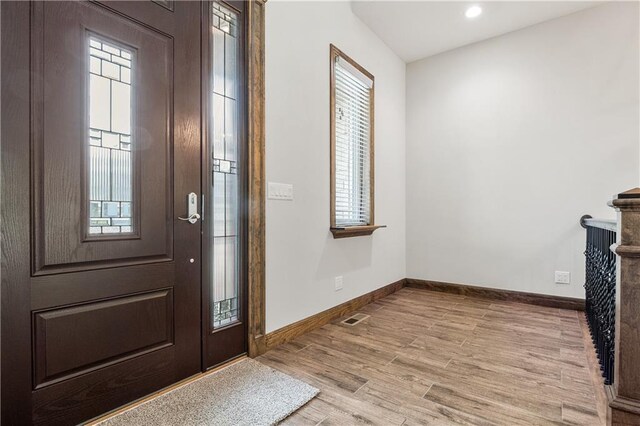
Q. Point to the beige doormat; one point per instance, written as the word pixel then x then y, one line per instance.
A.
pixel 245 393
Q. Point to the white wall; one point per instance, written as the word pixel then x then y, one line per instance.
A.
pixel 511 140
pixel 302 256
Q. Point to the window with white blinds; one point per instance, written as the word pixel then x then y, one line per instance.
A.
pixel 352 147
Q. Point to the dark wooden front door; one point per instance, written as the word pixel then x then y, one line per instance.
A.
pixel 101 145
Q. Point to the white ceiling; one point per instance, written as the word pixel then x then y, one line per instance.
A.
pixel 417 29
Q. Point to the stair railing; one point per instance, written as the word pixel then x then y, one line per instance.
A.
pixel 600 290
pixel 614 310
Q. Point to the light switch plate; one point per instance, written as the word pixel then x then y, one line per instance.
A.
pixel 338 282
pixel 563 277
pixel 280 191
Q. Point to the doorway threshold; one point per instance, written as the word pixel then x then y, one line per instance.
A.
pixel 97 420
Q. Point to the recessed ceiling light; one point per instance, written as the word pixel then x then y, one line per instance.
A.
pixel 473 12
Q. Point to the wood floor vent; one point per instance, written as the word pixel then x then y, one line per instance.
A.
pixel 355 319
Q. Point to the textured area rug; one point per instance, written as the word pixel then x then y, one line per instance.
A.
pixel 245 393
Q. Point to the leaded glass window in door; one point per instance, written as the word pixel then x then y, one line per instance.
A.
pixel 223 146
pixel 110 161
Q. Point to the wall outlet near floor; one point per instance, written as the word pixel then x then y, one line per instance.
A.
pixel 563 277
pixel 338 282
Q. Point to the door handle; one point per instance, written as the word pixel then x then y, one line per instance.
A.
pixel 192 209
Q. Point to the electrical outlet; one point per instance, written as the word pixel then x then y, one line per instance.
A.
pixel 338 283
pixel 563 277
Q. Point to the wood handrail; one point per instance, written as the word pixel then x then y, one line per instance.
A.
pixel 608 224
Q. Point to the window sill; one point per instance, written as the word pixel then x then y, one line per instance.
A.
pixel 354 231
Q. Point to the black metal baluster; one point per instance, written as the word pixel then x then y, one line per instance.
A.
pixel 600 289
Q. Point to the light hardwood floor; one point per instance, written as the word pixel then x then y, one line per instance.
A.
pixel 434 358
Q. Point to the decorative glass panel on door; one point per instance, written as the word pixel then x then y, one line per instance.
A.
pixel 223 146
pixel 110 161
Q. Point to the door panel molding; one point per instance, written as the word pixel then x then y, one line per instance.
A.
pixel 104 389
pixel 78 339
pixel 167 4
pixel 60 241
pixel 57 290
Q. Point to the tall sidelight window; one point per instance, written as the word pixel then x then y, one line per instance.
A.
pixel 110 160
pixel 225 130
pixel 352 97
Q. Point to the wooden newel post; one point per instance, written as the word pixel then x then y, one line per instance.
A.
pixel 624 394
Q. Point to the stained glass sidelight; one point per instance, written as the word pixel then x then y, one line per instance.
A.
pixel 110 141
pixel 224 165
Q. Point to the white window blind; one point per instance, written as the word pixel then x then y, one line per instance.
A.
pixel 352 145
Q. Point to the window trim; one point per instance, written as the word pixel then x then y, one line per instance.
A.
pixel 355 230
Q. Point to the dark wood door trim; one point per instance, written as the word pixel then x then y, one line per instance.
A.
pixel 256 142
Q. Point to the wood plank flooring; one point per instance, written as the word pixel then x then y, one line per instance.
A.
pixel 426 357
